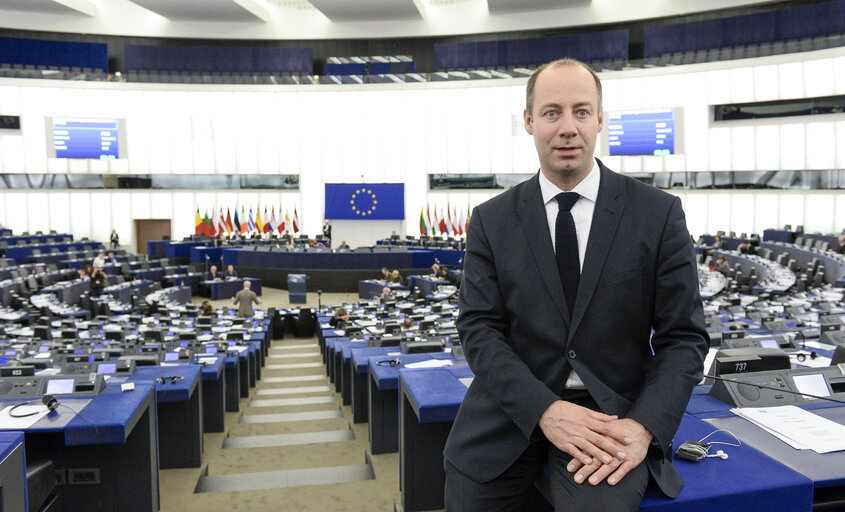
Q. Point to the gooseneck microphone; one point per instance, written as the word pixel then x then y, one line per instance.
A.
pixel 782 390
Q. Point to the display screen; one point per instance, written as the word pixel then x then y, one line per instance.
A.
pixel 106 368
pixel 59 387
pixel 813 384
pixel 770 343
pixel 211 349
pixel 642 132
pixel 171 356
pixel 79 137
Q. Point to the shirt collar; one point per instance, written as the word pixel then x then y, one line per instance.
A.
pixel 588 188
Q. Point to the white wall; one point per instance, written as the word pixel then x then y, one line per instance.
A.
pixel 402 133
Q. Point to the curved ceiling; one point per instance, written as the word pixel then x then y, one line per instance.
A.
pixel 332 19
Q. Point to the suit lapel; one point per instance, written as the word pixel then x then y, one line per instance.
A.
pixel 606 217
pixel 532 215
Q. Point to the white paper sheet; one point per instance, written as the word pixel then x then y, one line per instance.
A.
pixel 10 423
pixel 802 427
pixel 431 363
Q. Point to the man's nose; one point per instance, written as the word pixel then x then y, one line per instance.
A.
pixel 566 126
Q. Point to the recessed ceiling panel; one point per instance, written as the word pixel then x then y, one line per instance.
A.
pixel 509 6
pixel 44 6
pixel 352 10
pixel 206 10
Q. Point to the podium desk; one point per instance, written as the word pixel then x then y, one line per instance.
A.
pixel 213 393
pixel 12 471
pixel 430 399
pixel 179 412
pixel 232 375
pixel 228 289
pixel 114 434
pixel 359 370
pixel 384 400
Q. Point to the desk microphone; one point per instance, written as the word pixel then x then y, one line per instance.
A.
pixel 763 386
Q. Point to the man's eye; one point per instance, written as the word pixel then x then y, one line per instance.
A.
pixel 583 112
pixel 550 114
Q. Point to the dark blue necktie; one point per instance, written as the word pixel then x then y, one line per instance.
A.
pixel 566 247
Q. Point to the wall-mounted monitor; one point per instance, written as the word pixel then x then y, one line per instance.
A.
pixel 84 137
pixel 654 131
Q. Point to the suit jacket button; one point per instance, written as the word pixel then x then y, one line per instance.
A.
pixel 571 354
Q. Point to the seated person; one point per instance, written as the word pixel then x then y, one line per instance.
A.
pixel 212 274
pixel 386 294
pixel 100 260
pixel 385 274
pixel 207 308
pixel 406 324
pixel 343 245
pixel 85 272
pixel 395 277
pixel 289 244
pixel 340 315
pixel 444 274
pixel 721 265
pixel 230 272
pixel 111 259
pixel 718 243
pixel 435 270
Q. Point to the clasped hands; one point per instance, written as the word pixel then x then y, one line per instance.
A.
pixel 602 446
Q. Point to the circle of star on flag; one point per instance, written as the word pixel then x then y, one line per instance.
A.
pixel 363 202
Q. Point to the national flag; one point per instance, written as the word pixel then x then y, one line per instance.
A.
pixel 229 226
pixel 282 224
pixel 461 225
pixel 295 221
pixel 441 221
pixel 206 225
pixel 237 224
pixel 273 224
pixel 221 222
pixel 423 226
pixel 266 227
pixel 288 225
pixel 451 225
pixel 251 222
pixel 259 225
pixel 245 222
pixel 428 218
pixel 198 223
pixel 466 223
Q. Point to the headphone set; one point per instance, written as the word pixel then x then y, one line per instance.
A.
pixel 697 450
pixel 173 379
pixel 48 400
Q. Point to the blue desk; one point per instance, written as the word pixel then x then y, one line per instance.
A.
pixel 157 248
pixel 328 260
pixel 232 375
pixel 180 249
pixel 179 413
pixel 12 471
pixel 122 425
pixel 372 288
pixel 430 399
pixel 360 366
pixel 153 274
pixel 199 254
pixel 213 394
pixel 228 289
pixel 384 400
pixel 826 472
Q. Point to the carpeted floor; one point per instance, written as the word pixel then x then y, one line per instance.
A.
pixel 289 431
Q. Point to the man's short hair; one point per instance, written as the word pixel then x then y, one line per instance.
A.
pixel 566 61
pixel 247 284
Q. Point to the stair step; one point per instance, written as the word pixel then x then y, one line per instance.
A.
pixel 293 391
pixel 277 402
pixel 332 436
pixel 292 416
pixel 288 478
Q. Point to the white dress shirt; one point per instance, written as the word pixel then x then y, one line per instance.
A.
pixel 582 215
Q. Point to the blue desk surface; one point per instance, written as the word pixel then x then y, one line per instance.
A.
pixel 231 361
pixel 825 470
pixel 212 370
pixel 361 356
pixel 180 249
pixel 746 480
pixel 435 394
pixel 179 391
pixel 702 405
pixel 108 418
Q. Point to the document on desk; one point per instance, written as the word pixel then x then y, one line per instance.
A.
pixel 799 428
pixel 431 363
pixel 37 410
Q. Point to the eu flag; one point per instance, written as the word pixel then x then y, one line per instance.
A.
pixel 365 201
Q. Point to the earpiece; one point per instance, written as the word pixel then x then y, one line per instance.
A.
pixel 722 455
pixel 50 401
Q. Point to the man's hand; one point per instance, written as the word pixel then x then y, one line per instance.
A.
pixel 637 440
pixel 581 432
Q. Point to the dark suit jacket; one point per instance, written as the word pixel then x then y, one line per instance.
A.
pixel 639 274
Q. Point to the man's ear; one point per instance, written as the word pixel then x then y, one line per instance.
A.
pixel 529 126
pixel 601 121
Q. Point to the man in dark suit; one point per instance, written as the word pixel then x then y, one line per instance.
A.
pixel 584 357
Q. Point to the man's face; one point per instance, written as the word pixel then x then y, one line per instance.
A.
pixel 213 268
pixel 565 120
